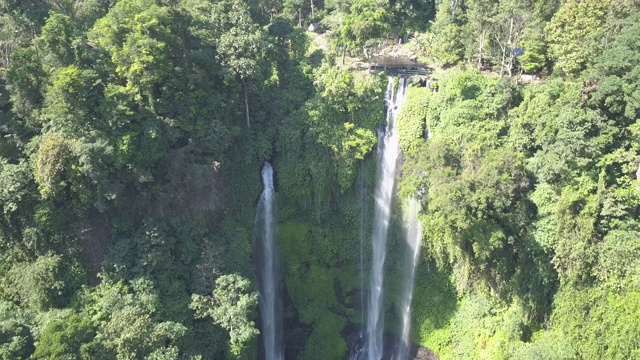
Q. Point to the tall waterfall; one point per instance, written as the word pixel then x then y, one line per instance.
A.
pixel 362 238
pixel 267 272
pixel 387 151
pixel 413 229
pixel 359 349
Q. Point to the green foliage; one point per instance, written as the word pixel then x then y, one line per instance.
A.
pixel 485 34
pixel 447 48
pixel 38 285
pixel 55 40
pixel 574 251
pixel 15 332
pixel 570 198
pixel 599 323
pixel 474 189
pixel 32 11
pixel 580 220
pixel 365 21
pixel 481 329
pixel 434 302
pixel 546 345
pixel 317 258
pixel 534 59
pixel 291 39
pixel 573 34
pixel 64 338
pixel 545 198
pixel 339 122
pixel 128 326
pixel 53 161
pixel 71 100
pixel 618 255
pixel 615 73
pixel 122 149
pixel 137 34
pixel 240 43
pixel 560 128
pixel 411 15
pixel 16 192
pixel 412 119
pixel 325 330
pixel 231 307
pixel 25 78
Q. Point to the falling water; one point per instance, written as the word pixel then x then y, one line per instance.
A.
pixel 363 212
pixel 359 350
pixel 388 151
pixel 267 273
pixel 413 229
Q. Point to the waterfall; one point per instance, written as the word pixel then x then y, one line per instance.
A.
pixel 359 350
pixel 267 272
pixel 362 238
pixel 387 152
pixel 413 233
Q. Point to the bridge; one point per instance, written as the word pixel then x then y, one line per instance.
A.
pixel 397 70
pixel 398 66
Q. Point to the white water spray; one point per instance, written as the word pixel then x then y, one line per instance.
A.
pixel 413 234
pixel 362 238
pixel 387 151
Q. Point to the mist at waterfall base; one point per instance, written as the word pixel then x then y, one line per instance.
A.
pixel 267 271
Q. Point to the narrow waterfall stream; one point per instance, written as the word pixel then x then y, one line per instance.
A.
pixel 388 152
pixel 413 234
pixel 267 271
pixel 362 238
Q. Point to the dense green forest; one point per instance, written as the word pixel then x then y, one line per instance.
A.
pixel 133 133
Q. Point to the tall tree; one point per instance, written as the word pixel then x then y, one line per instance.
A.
pixel 241 45
pixel 365 22
pixel 573 34
pixel 231 306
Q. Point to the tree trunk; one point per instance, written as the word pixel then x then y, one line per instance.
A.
pixel 344 50
pixel 454 5
pixel 504 53
pixel 510 65
pixel 313 14
pixel 510 46
pixel 481 51
pixel 246 102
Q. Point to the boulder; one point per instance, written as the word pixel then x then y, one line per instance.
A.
pixel 314 27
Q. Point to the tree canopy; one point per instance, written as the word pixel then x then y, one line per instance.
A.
pixel 132 134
